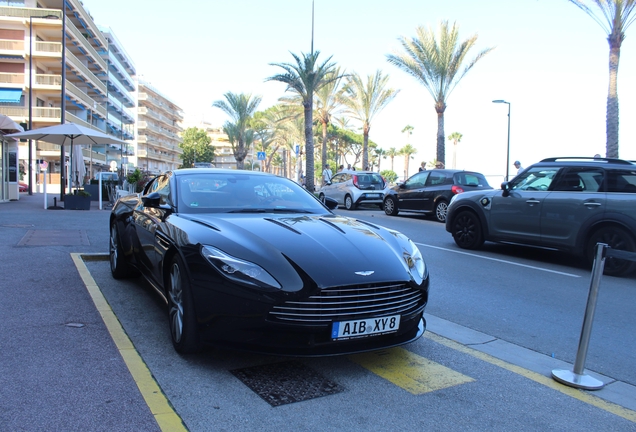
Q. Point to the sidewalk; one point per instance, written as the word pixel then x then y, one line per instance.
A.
pixel 59 367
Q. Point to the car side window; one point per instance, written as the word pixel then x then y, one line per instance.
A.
pixel 623 181
pixel 337 178
pixel 417 181
pixel 581 179
pixel 436 178
pixel 534 179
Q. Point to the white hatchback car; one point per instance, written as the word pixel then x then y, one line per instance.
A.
pixel 355 188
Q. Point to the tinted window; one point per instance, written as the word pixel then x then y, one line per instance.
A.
pixel 582 179
pixel 621 181
pixel 436 178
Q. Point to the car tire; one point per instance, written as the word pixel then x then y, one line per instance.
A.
pixel 349 204
pixel 390 206
pixel 467 231
pixel 119 266
pixel 321 197
pixel 616 238
pixel 441 208
pixel 181 315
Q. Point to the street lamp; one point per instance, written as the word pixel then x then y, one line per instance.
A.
pixel 31 95
pixel 508 148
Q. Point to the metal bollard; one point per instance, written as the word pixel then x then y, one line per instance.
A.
pixel 576 378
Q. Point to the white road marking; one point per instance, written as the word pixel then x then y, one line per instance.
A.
pixel 499 260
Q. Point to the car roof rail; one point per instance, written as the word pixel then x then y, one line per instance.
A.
pixel 591 159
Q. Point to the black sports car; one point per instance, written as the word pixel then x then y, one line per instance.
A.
pixel 253 261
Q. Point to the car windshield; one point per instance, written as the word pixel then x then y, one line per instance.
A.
pixel 225 192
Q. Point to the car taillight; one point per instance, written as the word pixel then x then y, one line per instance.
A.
pixel 457 189
pixel 355 181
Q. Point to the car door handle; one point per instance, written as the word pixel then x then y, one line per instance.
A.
pixel 591 204
pixel 533 201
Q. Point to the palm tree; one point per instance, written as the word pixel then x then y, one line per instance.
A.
pixel 327 104
pixel 435 61
pixel 455 137
pixel 365 100
pixel 615 17
pixel 392 153
pixel 304 78
pixel 407 151
pixel 380 153
pixel 240 108
pixel 409 130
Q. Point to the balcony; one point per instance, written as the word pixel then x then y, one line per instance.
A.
pixel 12 80
pixel 12 47
pixel 81 70
pixel 47 49
pixel 85 45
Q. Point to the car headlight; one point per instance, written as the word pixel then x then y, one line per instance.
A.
pixel 415 261
pixel 239 270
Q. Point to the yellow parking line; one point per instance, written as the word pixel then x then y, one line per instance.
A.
pixel 581 395
pixel 165 416
pixel 407 370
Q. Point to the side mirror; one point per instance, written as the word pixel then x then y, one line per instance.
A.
pixel 505 187
pixel 151 200
pixel 330 203
pixel 401 186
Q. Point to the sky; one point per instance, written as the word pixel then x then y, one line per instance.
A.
pixel 550 61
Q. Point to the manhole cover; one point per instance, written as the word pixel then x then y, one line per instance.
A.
pixel 55 238
pixel 286 382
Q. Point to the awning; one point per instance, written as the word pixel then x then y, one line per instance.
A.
pixel 10 95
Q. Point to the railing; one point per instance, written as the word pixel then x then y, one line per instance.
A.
pixel 159 104
pixel 48 80
pixel 11 78
pixel 50 114
pixel 112 57
pixel 26 13
pixel 84 43
pixel 41 47
pixel 83 70
pixel 11 45
pixel 79 94
pixel 89 21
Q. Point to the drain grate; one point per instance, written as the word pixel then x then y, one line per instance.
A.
pixel 286 382
pixel 55 238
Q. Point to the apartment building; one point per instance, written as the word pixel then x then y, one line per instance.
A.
pixel 158 131
pixel 84 77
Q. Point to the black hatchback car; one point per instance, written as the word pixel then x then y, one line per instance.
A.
pixel 431 191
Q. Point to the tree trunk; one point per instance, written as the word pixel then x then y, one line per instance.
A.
pixel 440 107
pixel 309 145
pixel 324 147
pixel 611 146
pixel 365 146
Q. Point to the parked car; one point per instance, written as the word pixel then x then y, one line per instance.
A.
pixel 352 189
pixel 430 192
pixel 254 261
pixel 23 187
pixel 568 204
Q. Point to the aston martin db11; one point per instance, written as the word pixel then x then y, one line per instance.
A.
pixel 249 260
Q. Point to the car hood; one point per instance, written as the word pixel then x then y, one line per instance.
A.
pixel 330 249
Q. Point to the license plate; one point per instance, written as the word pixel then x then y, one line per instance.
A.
pixel 365 327
pixel 373 195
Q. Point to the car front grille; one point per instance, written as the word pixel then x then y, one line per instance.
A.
pixel 349 303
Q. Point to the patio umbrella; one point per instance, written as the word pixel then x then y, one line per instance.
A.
pixel 7 125
pixel 69 134
pixel 78 166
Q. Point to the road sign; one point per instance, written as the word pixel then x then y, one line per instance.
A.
pixel 297 149
pixel 44 165
pixel 261 155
